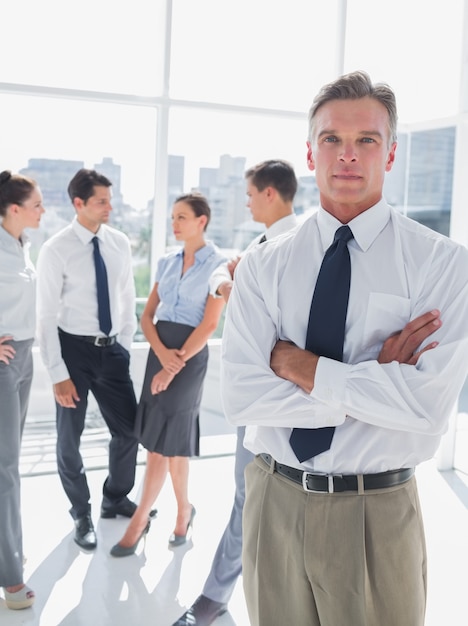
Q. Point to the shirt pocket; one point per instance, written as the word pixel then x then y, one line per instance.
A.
pixel 386 315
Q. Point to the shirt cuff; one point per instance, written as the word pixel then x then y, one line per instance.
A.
pixel 330 382
pixel 214 287
pixel 59 373
pixel 125 341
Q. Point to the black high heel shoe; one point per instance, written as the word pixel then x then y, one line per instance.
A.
pixel 178 540
pixel 119 550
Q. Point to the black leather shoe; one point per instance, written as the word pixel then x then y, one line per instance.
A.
pixel 125 508
pixel 85 535
pixel 203 612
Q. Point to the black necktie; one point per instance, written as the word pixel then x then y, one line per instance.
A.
pixel 325 331
pixel 262 239
pixel 105 323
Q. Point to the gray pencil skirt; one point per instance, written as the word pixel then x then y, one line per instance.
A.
pixel 168 423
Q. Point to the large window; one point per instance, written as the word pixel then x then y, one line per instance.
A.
pixel 216 147
pixel 169 95
pixel 253 53
pixel 415 46
pixel 97 45
pixel 49 139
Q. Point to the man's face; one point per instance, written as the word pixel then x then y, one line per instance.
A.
pixel 350 152
pixel 96 210
pixel 258 202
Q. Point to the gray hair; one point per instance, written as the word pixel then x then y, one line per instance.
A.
pixel 352 87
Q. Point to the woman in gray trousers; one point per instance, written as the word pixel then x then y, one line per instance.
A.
pixel 20 208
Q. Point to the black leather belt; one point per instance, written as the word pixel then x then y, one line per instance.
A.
pixel 337 483
pixel 100 342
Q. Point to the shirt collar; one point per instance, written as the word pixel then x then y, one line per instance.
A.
pixel 280 226
pixel 5 235
pixel 202 254
pixel 365 227
pixel 24 241
pixel 85 235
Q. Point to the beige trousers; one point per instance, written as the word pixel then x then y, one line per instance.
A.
pixel 341 559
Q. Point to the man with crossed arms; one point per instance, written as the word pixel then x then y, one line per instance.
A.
pixel 338 538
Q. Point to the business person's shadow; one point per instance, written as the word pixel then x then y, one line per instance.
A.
pixel 114 591
pixel 47 575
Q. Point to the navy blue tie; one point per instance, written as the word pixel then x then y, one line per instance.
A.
pixel 105 322
pixel 326 330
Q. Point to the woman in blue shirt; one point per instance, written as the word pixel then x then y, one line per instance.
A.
pixel 20 208
pixel 167 416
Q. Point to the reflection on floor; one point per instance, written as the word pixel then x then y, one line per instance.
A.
pixel 155 586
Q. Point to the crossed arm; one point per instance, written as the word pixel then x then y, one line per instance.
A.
pixel 298 365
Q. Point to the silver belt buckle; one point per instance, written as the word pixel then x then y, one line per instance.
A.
pixel 329 477
pixel 305 475
pixel 97 342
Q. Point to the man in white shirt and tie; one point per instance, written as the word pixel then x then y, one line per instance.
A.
pixel 271 187
pixel 337 538
pixel 86 323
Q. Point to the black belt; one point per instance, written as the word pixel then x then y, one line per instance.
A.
pixel 100 342
pixel 331 483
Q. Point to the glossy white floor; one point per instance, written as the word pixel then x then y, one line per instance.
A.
pixel 154 586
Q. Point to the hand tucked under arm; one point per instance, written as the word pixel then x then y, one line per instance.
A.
pixel 401 346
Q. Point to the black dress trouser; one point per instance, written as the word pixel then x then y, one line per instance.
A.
pixel 105 372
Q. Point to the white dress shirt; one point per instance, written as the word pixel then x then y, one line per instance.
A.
pixel 222 274
pixel 387 416
pixel 67 294
pixel 17 288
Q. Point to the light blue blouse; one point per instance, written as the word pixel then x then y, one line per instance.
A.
pixel 17 288
pixel 183 298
